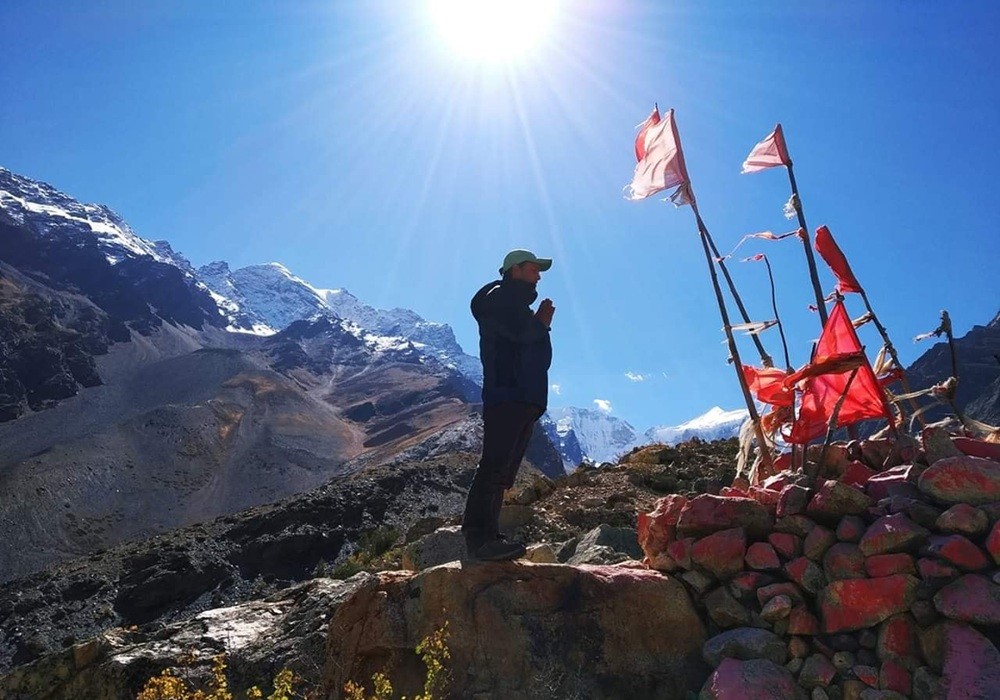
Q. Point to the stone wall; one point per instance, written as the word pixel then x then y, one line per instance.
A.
pixel 877 580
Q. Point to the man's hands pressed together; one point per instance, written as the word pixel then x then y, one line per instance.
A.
pixel 545 312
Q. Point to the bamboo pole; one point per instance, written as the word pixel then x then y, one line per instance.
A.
pixel 810 258
pixel 734 353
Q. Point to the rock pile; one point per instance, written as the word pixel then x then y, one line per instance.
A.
pixel 879 580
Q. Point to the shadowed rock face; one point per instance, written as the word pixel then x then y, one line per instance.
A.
pixel 522 630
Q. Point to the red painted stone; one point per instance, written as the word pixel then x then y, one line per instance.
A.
pixel 857 474
pixel 802 622
pixel 776 482
pixel 972 598
pixel 892 533
pixel 932 568
pixel 765 593
pixel 680 551
pixel 867 675
pixel 978 448
pixel 777 608
pixel 817 542
pixel 834 500
pixel 745 585
pixel 971 663
pixel 897 641
pixel 789 546
pixel 894 677
pixel 842 561
pixel 705 514
pixel 963 519
pixel 659 527
pixel 851 528
pixel 721 553
pixel 766 497
pixel 993 542
pixel 756 679
pixel 817 672
pixel 957 550
pixel 854 604
pixel 962 479
pixel 792 500
pixel 806 573
pixel 889 564
pixel 733 491
pixel 798 525
pixel 762 557
pixel 878 486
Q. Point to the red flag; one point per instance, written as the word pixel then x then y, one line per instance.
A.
pixel 839 342
pixel 834 257
pixel 768 385
pixel 661 161
pixel 769 153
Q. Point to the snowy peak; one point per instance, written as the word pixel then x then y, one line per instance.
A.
pixel 714 424
pixel 595 435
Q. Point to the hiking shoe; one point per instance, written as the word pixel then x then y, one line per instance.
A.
pixel 497 550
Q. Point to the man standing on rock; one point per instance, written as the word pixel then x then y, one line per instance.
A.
pixel 516 353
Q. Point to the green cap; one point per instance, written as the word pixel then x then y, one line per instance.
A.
pixel 516 257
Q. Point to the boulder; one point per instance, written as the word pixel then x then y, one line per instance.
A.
pixel 659 527
pixel 706 514
pixel 745 643
pixel 834 500
pixel 439 547
pixel 605 631
pixel 971 668
pixel 721 553
pixel 892 533
pixel 755 679
pixel 606 545
pixel 972 598
pixel 962 479
pixel 958 551
pixel 854 604
pixel 762 557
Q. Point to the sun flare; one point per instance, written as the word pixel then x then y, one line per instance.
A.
pixel 493 31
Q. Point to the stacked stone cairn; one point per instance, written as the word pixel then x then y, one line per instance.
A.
pixel 876 579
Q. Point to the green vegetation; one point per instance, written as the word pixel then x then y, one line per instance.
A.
pixel 377 550
pixel 169 686
pixel 434 653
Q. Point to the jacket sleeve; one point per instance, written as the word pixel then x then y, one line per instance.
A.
pixel 516 323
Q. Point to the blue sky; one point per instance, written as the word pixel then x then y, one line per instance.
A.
pixel 350 142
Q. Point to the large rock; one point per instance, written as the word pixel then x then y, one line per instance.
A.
pixel 658 528
pixel 892 533
pixel 514 628
pixel 756 679
pixel 971 664
pixel 853 604
pixel 745 643
pixel 286 630
pixel 971 598
pixel 962 479
pixel 439 547
pixel 606 545
pixel 705 514
pixel 957 550
pixel 721 553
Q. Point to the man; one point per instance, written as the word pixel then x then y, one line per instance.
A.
pixel 516 353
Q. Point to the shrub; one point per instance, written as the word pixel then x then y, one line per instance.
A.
pixel 435 654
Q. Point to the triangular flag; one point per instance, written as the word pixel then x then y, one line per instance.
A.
pixel 841 353
pixel 834 257
pixel 661 161
pixel 769 153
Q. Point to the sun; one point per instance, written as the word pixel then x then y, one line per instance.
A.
pixel 493 31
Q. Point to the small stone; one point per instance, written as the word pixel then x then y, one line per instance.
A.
pixel 854 604
pixel 697 580
pixel 926 684
pixel 857 474
pixel 789 589
pixel 817 671
pixel 792 500
pixel 972 598
pixel 744 586
pixel 879 485
pixel 843 660
pixel 932 569
pixel 924 612
pixel 894 677
pixel 804 572
pixel 777 608
pixel 818 694
pixel 744 643
pixel 892 533
pixel 762 557
pixel 798 525
pixel 795 665
pixel 798 647
pixel 844 561
pixel 817 542
pixel 962 479
pixel 721 553
pixel 802 622
pixel 834 500
pixel 963 519
pixel 957 550
pixel 889 564
pixel 853 689
pixel 867 675
pixel 851 528
pixel 724 610
pixel 789 546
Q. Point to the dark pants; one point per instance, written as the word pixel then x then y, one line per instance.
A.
pixel 507 428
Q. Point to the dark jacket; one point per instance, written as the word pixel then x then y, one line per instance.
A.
pixel 514 345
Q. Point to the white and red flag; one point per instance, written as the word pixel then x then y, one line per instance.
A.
pixel 769 153
pixel 661 161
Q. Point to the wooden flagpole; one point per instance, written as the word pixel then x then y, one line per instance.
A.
pixel 810 258
pixel 708 245
pixel 765 358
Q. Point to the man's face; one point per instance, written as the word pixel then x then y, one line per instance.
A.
pixel 527 272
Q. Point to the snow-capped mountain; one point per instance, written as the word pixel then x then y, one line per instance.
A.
pixel 715 424
pixel 586 434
